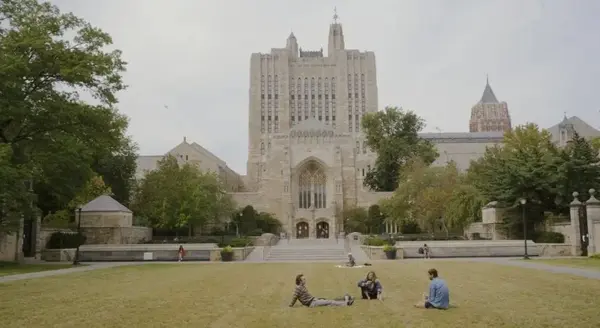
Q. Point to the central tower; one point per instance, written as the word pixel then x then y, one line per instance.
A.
pixel 290 85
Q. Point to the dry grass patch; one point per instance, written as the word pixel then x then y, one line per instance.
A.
pixel 257 296
pixel 584 263
pixel 10 268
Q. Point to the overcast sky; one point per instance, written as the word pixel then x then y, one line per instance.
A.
pixel 432 56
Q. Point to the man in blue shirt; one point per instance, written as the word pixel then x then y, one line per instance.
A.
pixel 439 294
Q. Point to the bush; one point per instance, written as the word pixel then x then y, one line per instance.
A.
pixel 549 237
pixel 374 241
pixel 595 256
pixel 428 237
pixel 255 232
pixel 239 242
pixel 61 240
pixel 410 227
pixel 388 248
pixel 227 249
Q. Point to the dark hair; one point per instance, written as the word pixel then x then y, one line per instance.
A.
pixel 299 279
pixel 180 247
pixel 433 273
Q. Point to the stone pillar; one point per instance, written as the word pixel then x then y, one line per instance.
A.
pixel 38 238
pixel 575 228
pixel 593 214
pixel 19 258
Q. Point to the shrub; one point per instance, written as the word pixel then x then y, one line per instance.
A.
pixel 410 227
pixel 595 256
pixel 388 248
pixel 240 242
pixel 374 241
pixel 549 237
pixel 60 240
pixel 227 249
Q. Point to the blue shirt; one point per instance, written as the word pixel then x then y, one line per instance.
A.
pixel 439 294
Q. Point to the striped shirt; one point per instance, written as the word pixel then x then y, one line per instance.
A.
pixel 301 294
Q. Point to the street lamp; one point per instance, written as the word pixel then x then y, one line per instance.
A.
pixel 523 201
pixel 76 258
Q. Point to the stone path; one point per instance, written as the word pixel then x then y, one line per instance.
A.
pixel 50 273
pixel 531 264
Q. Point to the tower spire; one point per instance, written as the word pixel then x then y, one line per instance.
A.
pixel 335 15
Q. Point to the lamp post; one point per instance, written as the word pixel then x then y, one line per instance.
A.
pixel 523 201
pixel 76 258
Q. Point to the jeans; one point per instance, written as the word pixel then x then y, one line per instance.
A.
pixel 323 302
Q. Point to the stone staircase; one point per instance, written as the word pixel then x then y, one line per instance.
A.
pixel 307 250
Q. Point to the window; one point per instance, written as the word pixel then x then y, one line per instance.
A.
pixel 312 187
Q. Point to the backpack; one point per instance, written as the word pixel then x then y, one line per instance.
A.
pixel 421 250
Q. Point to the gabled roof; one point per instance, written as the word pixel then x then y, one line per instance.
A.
pixel 104 204
pixel 583 129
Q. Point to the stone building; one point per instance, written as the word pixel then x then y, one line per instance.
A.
pixel 307 157
pixel 489 114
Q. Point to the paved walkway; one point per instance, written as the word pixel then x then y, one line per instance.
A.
pixel 531 264
pixel 50 273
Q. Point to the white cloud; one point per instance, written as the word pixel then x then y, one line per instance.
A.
pixel 432 56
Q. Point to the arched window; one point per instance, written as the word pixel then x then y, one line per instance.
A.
pixel 262 148
pixel 312 187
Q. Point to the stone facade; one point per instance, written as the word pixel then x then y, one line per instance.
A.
pixel 8 247
pixel 117 235
pixel 489 114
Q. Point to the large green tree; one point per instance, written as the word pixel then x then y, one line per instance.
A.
pixel 176 196
pixel 393 135
pixel 49 62
pixel 527 166
pixel 579 170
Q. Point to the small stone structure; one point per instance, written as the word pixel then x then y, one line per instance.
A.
pixel 106 221
pixel 585 231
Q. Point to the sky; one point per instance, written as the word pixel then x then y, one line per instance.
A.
pixel 189 60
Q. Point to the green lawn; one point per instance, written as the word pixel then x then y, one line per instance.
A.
pixel 10 268
pixel 584 263
pixel 257 295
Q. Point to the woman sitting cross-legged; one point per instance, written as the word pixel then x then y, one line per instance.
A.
pixel 370 287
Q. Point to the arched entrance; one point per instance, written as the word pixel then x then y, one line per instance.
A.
pixel 302 230
pixel 322 230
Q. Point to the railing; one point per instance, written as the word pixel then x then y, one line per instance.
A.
pixel 267 247
pixel 245 252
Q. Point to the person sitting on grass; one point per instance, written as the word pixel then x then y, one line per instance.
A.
pixel 439 294
pixel 351 261
pixel 302 295
pixel 370 287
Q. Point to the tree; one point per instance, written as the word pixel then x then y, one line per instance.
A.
pixel 393 135
pixel 14 196
pixel 268 223
pixel 47 59
pixel 176 196
pixel 94 188
pixel 526 167
pixel 579 170
pixel 355 220
pixel 117 168
pixel 375 219
pixel 426 194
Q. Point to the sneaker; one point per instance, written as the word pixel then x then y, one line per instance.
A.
pixel 349 299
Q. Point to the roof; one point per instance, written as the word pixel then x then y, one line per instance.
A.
pixel 488 96
pixel 583 129
pixel 104 203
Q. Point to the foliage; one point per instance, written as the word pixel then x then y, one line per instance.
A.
pixel 240 242
pixel 549 237
pixel 374 241
pixel 61 240
pixel 428 237
pixel 48 61
pixel 254 223
pixel 578 170
pixel 409 226
pixel 14 197
pixel 175 196
pixel 526 167
pixel 375 219
pixel 393 135
pixel 117 168
pixel 595 256
pixel 356 220
pixel 94 188
pixel 389 248
pixel 227 249
pixel 431 195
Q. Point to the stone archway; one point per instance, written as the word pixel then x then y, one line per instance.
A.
pixel 322 230
pixel 302 230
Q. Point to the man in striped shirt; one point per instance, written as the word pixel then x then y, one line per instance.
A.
pixel 302 295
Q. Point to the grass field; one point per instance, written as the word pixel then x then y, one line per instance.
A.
pixel 257 296
pixel 10 268
pixel 584 263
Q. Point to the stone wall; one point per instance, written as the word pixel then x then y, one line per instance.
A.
pixel 46 232
pixel 8 247
pixel 117 235
pixel 565 228
pixel 106 219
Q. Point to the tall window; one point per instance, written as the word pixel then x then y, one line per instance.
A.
pixel 312 187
